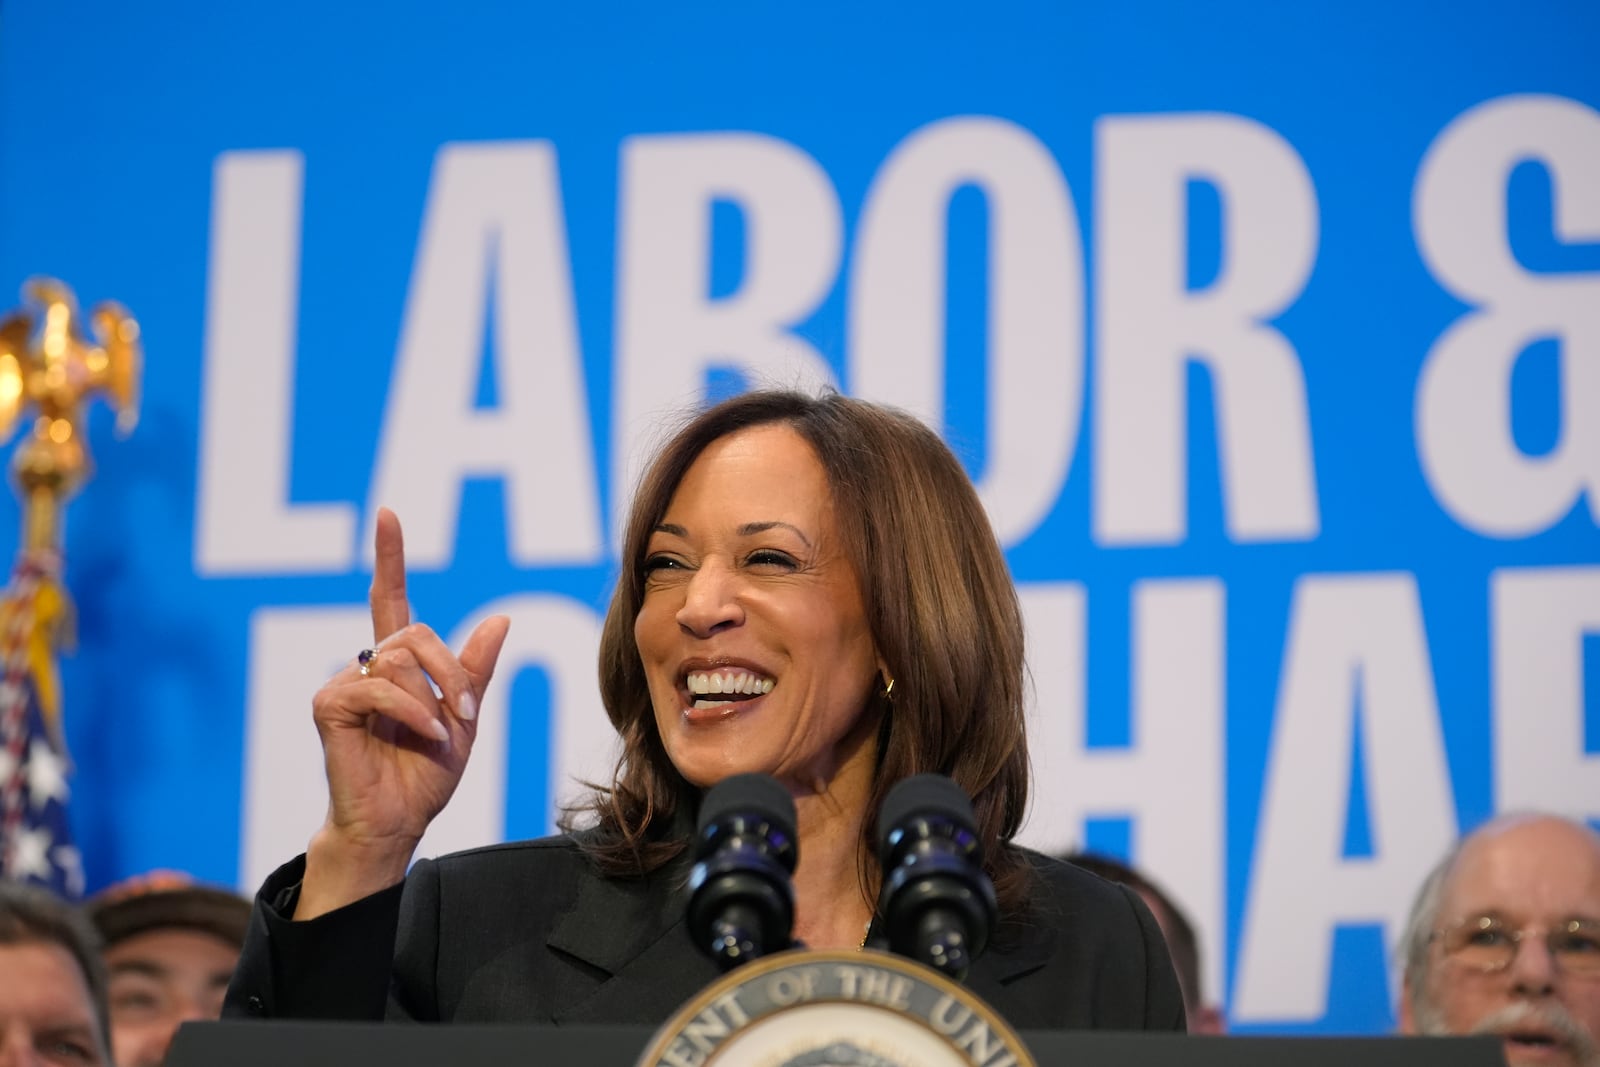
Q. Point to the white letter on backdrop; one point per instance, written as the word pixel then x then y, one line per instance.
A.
pixel 1541 617
pixel 1035 303
pixel 1463 427
pixel 289 659
pixel 493 218
pixel 245 523
pixel 670 331
pixel 1170 778
pixel 1150 325
pixel 1355 642
pixel 561 636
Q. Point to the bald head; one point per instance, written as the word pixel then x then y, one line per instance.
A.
pixel 1528 875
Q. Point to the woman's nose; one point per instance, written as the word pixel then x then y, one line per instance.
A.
pixel 710 601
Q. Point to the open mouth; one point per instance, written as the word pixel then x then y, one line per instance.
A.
pixel 1532 1033
pixel 1532 1042
pixel 709 690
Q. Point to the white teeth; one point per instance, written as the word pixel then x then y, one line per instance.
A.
pixel 727 681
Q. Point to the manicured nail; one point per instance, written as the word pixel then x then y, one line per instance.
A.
pixel 440 733
pixel 467 707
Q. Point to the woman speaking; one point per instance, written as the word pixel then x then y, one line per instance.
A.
pixel 809 589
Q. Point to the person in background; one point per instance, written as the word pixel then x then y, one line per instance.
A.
pixel 1175 925
pixel 1504 939
pixel 52 983
pixel 170 947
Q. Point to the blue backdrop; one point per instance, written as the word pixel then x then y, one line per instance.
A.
pixel 1270 334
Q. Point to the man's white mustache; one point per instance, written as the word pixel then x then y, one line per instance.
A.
pixel 1549 1018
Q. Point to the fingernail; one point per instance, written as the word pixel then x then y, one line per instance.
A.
pixel 467 707
pixel 440 733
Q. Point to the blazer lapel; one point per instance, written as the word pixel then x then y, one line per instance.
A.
pixel 632 930
pixel 1019 949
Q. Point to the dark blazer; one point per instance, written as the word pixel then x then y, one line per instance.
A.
pixel 530 932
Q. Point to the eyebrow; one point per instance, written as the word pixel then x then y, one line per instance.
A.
pixel 74 1031
pixel 747 530
pixel 145 967
pixel 157 970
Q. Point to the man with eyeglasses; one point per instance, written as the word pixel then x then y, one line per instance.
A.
pixel 1504 939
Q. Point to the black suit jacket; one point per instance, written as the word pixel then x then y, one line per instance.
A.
pixel 530 932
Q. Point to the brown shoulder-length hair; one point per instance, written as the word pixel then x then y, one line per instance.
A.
pixel 940 604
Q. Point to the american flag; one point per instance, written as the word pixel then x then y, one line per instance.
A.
pixel 35 839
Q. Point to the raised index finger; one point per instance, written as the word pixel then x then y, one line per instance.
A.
pixel 390 609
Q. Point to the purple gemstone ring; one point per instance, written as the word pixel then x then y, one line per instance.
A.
pixel 366 658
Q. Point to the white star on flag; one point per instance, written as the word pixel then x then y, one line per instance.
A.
pixel 30 854
pixel 47 774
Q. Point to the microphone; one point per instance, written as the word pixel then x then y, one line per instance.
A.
pixel 741 899
pixel 937 902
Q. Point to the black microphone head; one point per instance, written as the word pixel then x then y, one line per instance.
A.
pixel 741 900
pixel 923 794
pixel 749 794
pixel 937 902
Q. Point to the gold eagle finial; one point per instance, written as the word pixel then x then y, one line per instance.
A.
pixel 48 366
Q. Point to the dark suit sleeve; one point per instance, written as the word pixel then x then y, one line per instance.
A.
pixel 1163 1000
pixel 335 966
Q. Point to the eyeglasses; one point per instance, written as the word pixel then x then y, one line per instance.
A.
pixel 1486 943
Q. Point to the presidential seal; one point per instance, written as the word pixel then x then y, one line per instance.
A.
pixel 835 1009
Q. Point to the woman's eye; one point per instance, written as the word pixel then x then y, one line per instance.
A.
pixel 771 557
pixel 655 564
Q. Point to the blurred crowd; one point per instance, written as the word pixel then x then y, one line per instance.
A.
pixel 110 981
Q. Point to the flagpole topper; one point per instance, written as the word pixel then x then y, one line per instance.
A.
pixel 50 370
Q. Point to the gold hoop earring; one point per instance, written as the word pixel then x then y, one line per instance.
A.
pixel 888 690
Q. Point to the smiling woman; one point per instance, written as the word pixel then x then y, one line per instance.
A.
pixel 811 590
pixel 831 547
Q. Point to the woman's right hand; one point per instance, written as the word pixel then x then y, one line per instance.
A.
pixel 394 750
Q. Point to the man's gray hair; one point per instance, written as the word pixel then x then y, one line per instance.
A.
pixel 1420 924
